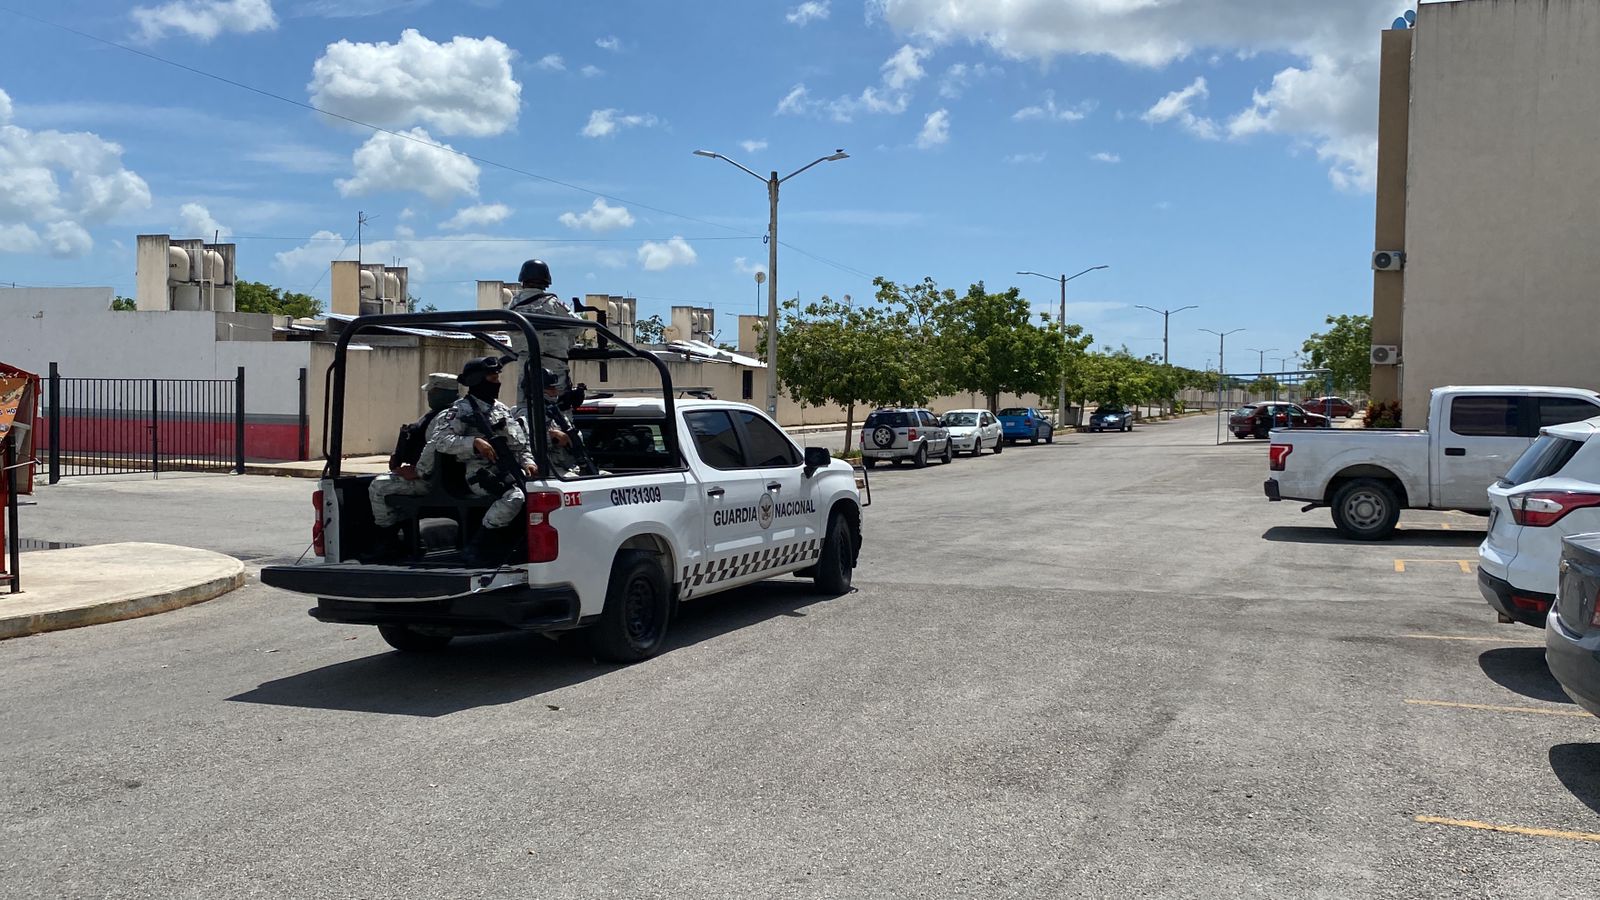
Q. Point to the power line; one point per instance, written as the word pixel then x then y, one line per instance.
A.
pixel 407 137
pixel 487 240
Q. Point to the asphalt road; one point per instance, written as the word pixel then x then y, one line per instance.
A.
pixel 1102 668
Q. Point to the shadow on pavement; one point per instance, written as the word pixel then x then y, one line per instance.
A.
pixel 1578 767
pixel 1404 537
pixel 1522 669
pixel 496 669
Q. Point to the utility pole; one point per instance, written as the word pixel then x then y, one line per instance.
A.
pixel 1261 361
pixel 1222 353
pixel 1165 314
pixel 361 222
pixel 1061 396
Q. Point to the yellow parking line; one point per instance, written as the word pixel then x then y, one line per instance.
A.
pixel 1506 709
pixel 1480 640
pixel 1464 564
pixel 1512 829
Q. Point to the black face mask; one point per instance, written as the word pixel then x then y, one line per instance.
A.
pixel 487 391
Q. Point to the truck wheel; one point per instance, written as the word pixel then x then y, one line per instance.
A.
pixel 838 560
pixel 945 459
pixel 1366 510
pixel 868 462
pixel 920 461
pixel 633 625
pixel 409 640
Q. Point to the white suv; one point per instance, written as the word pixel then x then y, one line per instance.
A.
pixel 904 433
pixel 1551 492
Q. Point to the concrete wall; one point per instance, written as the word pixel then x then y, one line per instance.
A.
pixel 383 387
pixel 1389 232
pixel 1503 196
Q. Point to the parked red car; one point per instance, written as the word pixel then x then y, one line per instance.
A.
pixel 1332 407
pixel 1257 419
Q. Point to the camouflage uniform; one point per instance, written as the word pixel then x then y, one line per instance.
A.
pixel 453 434
pixel 555 344
pixel 393 484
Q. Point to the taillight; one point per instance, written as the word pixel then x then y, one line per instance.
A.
pixel 1278 456
pixel 911 434
pixel 1539 509
pixel 1532 604
pixel 1594 619
pixel 319 542
pixel 544 543
pixel 1027 421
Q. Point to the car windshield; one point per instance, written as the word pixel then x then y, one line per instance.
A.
pixel 1244 410
pixel 960 419
pixel 891 419
pixel 1109 411
pixel 1546 457
pixel 1014 411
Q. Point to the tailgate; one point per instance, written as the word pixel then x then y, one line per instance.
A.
pixel 1580 582
pixel 1499 547
pixel 394 584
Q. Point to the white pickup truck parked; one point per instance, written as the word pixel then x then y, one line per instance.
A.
pixel 1366 477
pixel 613 553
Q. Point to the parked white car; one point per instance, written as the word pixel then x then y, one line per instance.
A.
pixel 1553 491
pixel 971 430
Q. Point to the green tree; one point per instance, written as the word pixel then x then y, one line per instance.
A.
pixel 648 331
pixel 830 352
pixel 123 304
pixel 1118 378
pixel 989 344
pixel 1345 350
pixel 416 305
pixel 256 297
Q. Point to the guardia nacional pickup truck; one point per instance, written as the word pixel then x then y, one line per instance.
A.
pixel 689 498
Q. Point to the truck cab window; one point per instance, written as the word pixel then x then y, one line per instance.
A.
pixel 715 438
pixel 769 447
pixel 1487 416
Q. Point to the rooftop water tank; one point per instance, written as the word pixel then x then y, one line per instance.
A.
pixel 369 285
pixel 177 265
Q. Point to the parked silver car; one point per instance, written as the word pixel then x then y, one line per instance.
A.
pixel 971 430
pixel 904 433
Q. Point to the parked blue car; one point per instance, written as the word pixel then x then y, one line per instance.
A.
pixel 1025 423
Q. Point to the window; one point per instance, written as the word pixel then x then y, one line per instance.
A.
pixel 1561 410
pixel 1546 457
pixel 1487 416
pixel 1015 411
pixel 769 447
pixel 928 421
pixel 962 419
pixel 715 439
pixel 891 419
pixel 748 388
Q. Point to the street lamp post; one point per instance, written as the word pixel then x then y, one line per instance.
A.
pixel 772 182
pixel 1165 314
pixel 1061 396
pixel 1222 357
pixel 1261 360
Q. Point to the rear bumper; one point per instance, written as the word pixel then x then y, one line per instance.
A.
pixel 513 609
pixel 1575 662
pixel 1270 488
pixel 1527 607
pixel 392 583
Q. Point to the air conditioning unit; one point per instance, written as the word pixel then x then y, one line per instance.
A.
pixel 1385 355
pixel 1388 260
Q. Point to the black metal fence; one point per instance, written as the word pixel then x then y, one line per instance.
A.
pixel 110 426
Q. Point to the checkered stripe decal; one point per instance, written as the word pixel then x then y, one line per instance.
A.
pixel 738 566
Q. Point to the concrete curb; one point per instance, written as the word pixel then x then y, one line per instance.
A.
pixel 222 578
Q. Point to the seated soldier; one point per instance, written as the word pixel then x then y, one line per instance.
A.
pixel 566 455
pixel 404 478
pixel 469 431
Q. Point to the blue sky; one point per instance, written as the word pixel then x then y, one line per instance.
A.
pixel 1211 152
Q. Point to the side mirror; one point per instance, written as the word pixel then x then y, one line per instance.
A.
pixel 817 458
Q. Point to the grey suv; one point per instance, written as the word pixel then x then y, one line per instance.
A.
pixel 900 434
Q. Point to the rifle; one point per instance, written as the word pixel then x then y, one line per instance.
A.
pixel 505 474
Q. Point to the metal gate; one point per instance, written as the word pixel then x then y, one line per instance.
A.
pixel 113 426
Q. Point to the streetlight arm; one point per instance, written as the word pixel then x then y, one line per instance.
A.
pixel 1088 270
pixel 732 162
pixel 829 158
pixel 1042 275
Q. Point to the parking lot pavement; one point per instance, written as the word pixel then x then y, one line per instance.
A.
pixel 1105 667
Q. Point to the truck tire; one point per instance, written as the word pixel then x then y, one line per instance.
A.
pixel 409 640
pixel 1366 509
pixel 920 461
pixel 633 625
pixel 837 563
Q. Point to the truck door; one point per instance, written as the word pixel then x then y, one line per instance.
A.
pixel 1479 439
pixel 794 536
pixel 736 498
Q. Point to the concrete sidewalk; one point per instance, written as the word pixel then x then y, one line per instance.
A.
pixel 110 582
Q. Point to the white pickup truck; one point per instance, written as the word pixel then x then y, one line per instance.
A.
pixel 1366 477
pixel 659 521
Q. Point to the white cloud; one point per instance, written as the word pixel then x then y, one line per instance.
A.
pixel 1175 107
pixel 904 68
pixel 600 217
pixel 796 102
pixel 412 162
pixel 890 97
pixel 481 216
pixel 1105 157
pixel 203 19
pixel 745 267
pixel 464 86
pixel 607 122
pixel 591 71
pixel 551 62
pixel 961 76
pixel 198 222
pixel 301 159
pixel 1328 100
pixel 52 183
pixel 935 130
pixel 1019 159
pixel 1049 112
pixel 656 256
pixel 753 146
pixel 609 42
pixel 808 12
